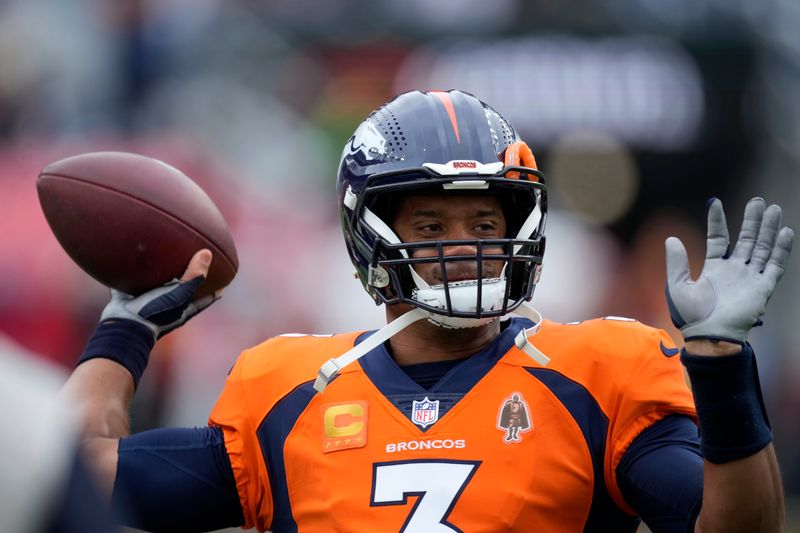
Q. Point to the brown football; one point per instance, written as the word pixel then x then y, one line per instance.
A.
pixel 133 222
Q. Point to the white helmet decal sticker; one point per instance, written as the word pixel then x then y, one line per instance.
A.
pixel 367 141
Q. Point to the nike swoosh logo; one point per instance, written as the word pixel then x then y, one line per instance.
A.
pixel 669 352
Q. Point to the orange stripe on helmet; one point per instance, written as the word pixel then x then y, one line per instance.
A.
pixel 519 154
pixel 451 111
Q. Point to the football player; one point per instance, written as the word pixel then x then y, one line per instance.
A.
pixel 467 411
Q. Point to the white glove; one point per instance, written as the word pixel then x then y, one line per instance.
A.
pixel 729 296
pixel 161 309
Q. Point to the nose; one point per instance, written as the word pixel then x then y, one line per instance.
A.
pixel 459 233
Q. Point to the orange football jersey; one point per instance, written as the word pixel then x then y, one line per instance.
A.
pixel 500 443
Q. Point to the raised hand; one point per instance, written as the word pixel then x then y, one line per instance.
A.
pixel 731 293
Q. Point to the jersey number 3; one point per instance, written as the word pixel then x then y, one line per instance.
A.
pixel 436 484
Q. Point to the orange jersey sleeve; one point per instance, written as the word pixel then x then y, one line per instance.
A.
pixel 260 378
pixel 631 370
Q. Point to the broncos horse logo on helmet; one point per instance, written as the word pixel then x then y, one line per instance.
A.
pixel 366 144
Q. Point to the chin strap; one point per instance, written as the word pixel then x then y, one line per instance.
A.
pixel 331 368
pixel 521 340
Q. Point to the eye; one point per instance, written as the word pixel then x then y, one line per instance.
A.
pixel 486 227
pixel 432 227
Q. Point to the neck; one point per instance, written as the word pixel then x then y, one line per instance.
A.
pixel 423 342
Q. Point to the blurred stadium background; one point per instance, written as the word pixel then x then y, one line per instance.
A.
pixel 638 111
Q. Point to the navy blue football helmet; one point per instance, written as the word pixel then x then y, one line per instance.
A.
pixel 435 142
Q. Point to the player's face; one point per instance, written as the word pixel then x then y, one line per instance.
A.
pixel 441 217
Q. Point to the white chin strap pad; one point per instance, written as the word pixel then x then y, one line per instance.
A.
pixel 464 295
pixel 463 298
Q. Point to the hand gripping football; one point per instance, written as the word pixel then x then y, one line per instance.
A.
pixel 133 222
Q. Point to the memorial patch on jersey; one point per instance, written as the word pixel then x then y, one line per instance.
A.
pixel 425 412
pixel 344 425
pixel 513 418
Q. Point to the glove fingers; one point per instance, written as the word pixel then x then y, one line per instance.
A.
pixel 767 235
pixel 753 213
pixel 677 262
pixel 718 240
pixel 780 255
pixel 199 305
pixel 170 306
pixel 189 312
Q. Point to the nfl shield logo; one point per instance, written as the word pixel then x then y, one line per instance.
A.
pixel 425 413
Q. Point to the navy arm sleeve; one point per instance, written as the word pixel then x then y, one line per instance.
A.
pixel 176 480
pixel 661 475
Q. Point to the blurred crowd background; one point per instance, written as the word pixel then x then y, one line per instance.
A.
pixel 637 110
